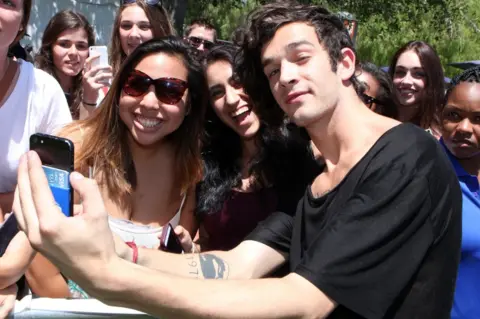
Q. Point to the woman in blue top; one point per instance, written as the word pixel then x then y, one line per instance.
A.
pixel 461 139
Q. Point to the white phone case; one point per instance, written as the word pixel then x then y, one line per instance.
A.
pixel 102 60
pixel 103 55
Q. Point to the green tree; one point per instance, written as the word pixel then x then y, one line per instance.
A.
pixel 452 27
pixel 225 15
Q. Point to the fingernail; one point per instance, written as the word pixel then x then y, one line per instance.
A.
pixel 77 176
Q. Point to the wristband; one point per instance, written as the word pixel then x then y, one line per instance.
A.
pixel 132 245
pixel 89 104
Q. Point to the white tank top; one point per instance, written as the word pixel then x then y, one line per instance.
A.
pixel 143 235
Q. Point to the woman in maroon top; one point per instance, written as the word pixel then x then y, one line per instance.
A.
pixel 250 170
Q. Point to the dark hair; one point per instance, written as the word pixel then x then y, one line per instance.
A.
pixel 434 85
pixel 27 9
pixel 278 151
pixel 387 105
pixel 105 144
pixel 202 22
pixel 261 27
pixel 471 75
pixel 157 16
pixel 60 22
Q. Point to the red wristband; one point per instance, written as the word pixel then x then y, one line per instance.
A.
pixel 132 245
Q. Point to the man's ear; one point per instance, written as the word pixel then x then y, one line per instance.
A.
pixel 346 66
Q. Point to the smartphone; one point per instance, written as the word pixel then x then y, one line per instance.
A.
pixel 102 52
pixel 169 240
pixel 8 230
pixel 102 60
pixel 57 155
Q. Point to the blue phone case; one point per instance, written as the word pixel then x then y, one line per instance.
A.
pixel 59 181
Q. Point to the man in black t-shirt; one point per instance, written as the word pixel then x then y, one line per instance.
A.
pixel 377 235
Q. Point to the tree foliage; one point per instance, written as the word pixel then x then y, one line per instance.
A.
pixel 452 27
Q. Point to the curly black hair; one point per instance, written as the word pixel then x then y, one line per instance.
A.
pixel 261 26
pixel 283 159
pixel 470 75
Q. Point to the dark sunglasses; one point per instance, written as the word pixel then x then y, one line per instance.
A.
pixel 149 2
pixel 196 42
pixel 368 100
pixel 167 90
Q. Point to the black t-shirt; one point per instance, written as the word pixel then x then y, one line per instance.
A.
pixel 384 243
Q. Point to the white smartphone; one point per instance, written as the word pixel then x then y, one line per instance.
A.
pixel 102 60
pixel 101 51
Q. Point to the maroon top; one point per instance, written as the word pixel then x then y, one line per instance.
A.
pixel 240 215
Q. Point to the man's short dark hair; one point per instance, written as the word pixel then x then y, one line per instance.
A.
pixel 260 28
pixel 201 23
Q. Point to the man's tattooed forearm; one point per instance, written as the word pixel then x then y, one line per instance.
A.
pixel 213 267
pixel 193 270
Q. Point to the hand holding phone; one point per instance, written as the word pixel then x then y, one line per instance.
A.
pixel 99 60
pixel 169 240
pixel 101 52
pixel 57 156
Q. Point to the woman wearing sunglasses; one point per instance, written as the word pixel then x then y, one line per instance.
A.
pixel 142 144
pixel 250 170
pixel 136 21
pixel 378 89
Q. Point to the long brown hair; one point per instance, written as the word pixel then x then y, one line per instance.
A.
pixel 159 20
pixel 64 20
pixel 428 111
pixel 104 144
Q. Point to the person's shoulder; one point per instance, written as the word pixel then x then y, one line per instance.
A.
pixel 43 79
pixel 410 143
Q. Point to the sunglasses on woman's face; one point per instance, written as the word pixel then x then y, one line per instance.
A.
pixel 167 90
pixel 149 2
pixel 196 42
pixel 369 101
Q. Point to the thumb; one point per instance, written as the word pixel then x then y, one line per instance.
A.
pixel 179 229
pixel 92 202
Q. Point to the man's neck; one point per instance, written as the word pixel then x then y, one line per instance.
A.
pixel 350 130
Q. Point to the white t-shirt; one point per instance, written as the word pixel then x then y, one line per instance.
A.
pixel 36 105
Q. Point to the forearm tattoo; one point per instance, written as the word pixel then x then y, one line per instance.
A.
pixel 211 266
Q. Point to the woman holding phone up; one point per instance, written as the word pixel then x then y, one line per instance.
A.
pixel 64 50
pixel 136 22
pixel 142 145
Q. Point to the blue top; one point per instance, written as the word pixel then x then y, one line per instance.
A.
pixel 466 304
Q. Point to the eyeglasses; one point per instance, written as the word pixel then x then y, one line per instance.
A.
pixel 167 90
pixel 196 42
pixel 149 2
pixel 368 100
